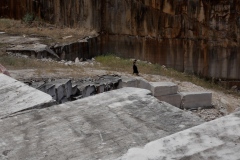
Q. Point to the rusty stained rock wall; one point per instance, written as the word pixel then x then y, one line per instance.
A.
pixel 196 36
pixel 17 8
pixel 70 13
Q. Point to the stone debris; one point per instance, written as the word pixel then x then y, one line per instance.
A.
pixel 63 90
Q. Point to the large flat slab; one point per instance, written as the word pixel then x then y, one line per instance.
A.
pixel 16 96
pixel 215 140
pixel 103 126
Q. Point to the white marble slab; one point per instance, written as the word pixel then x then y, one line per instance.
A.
pixel 16 96
pixel 215 140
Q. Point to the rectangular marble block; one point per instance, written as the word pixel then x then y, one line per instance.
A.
pixel 194 100
pixel 129 82
pixel 173 99
pixel 163 88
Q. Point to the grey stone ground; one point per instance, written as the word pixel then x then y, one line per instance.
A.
pixel 103 126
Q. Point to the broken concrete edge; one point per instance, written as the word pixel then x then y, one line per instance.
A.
pixel 163 88
pixel 38 106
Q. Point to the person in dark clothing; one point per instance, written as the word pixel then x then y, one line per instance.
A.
pixel 135 69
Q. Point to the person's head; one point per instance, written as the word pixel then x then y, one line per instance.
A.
pixel 134 61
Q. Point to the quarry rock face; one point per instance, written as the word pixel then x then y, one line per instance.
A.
pixel 195 36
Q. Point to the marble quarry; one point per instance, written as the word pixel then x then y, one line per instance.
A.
pixel 102 126
pixel 194 36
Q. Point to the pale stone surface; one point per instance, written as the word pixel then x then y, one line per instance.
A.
pixel 103 126
pixel 173 99
pixel 163 88
pixel 137 82
pixel 215 140
pixel 16 96
pixel 142 83
pixel 129 82
pixel 194 100
pixel 4 70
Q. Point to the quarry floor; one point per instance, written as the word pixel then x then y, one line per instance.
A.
pixel 223 103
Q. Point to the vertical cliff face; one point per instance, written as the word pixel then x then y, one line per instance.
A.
pixel 196 36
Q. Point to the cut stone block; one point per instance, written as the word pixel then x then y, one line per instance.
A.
pixel 16 96
pixel 194 100
pixel 135 82
pixel 129 82
pixel 144 84
pixel 163 88
pixel 173 99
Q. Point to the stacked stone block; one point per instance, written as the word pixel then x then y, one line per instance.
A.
pixel 168 92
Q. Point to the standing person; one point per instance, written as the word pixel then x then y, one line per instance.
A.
pixel 135 69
